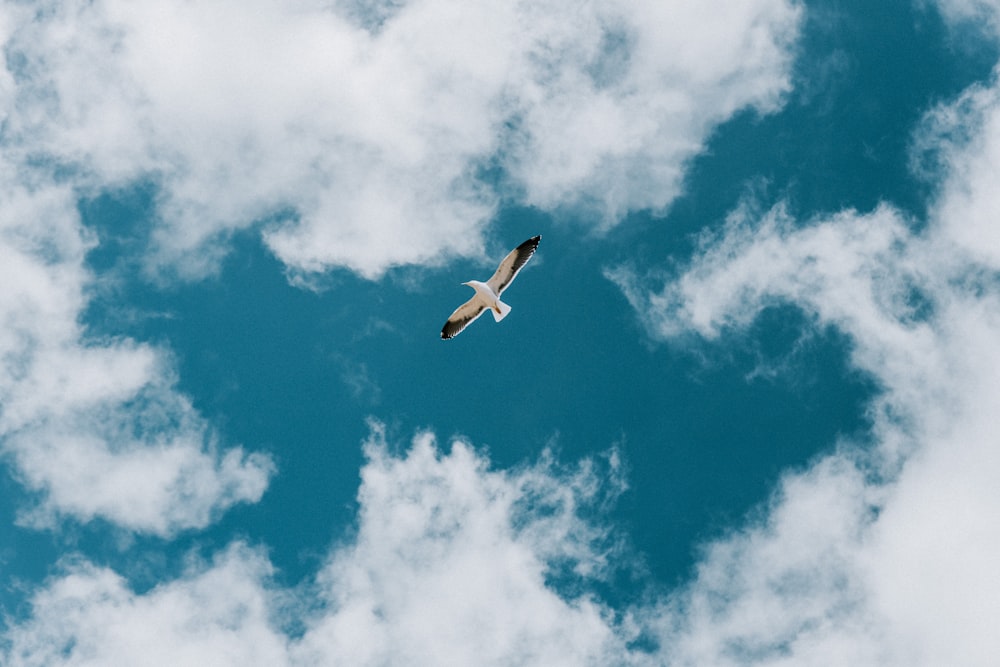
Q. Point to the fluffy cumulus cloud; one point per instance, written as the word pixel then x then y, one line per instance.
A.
pixel 367 135
pixel 94 428
pixel 879 552
pixel 217 614
pixel 450 566
pixel 451 561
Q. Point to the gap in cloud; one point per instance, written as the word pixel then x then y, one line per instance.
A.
pixel 727 421
pixel 25 554
pixel 275 367
pixel 369 14
pixel 122 220
pixel 687 448
pixel 263 362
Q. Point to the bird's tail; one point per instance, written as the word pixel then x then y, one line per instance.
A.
pixel 502 313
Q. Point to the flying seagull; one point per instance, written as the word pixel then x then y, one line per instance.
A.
pixel 488 294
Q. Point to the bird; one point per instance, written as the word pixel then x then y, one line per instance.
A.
pixel 488 294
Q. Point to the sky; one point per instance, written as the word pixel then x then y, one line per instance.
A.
pixel 742 411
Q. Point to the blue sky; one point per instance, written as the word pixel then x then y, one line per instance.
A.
pixel 742 411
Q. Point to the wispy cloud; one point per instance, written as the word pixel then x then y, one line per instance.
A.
pixel 359 380
pixel 875 554
pixel 983 12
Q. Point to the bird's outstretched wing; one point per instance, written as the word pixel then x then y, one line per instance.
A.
pixel 463 316
pixel 511 264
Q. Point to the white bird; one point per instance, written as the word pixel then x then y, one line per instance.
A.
pixel 488 294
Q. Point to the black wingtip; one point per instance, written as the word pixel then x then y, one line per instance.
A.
pixel 530 243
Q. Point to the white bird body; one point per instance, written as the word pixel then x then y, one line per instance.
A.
pixel 488 294
pixel 489 299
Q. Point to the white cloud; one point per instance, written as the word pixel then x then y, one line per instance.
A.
pixel 876 554
pixel 94 428
pixel 969 204
pixel 361 146
pixel 981 12
pixel 217 614
pixel 787 591
pixel 449 566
